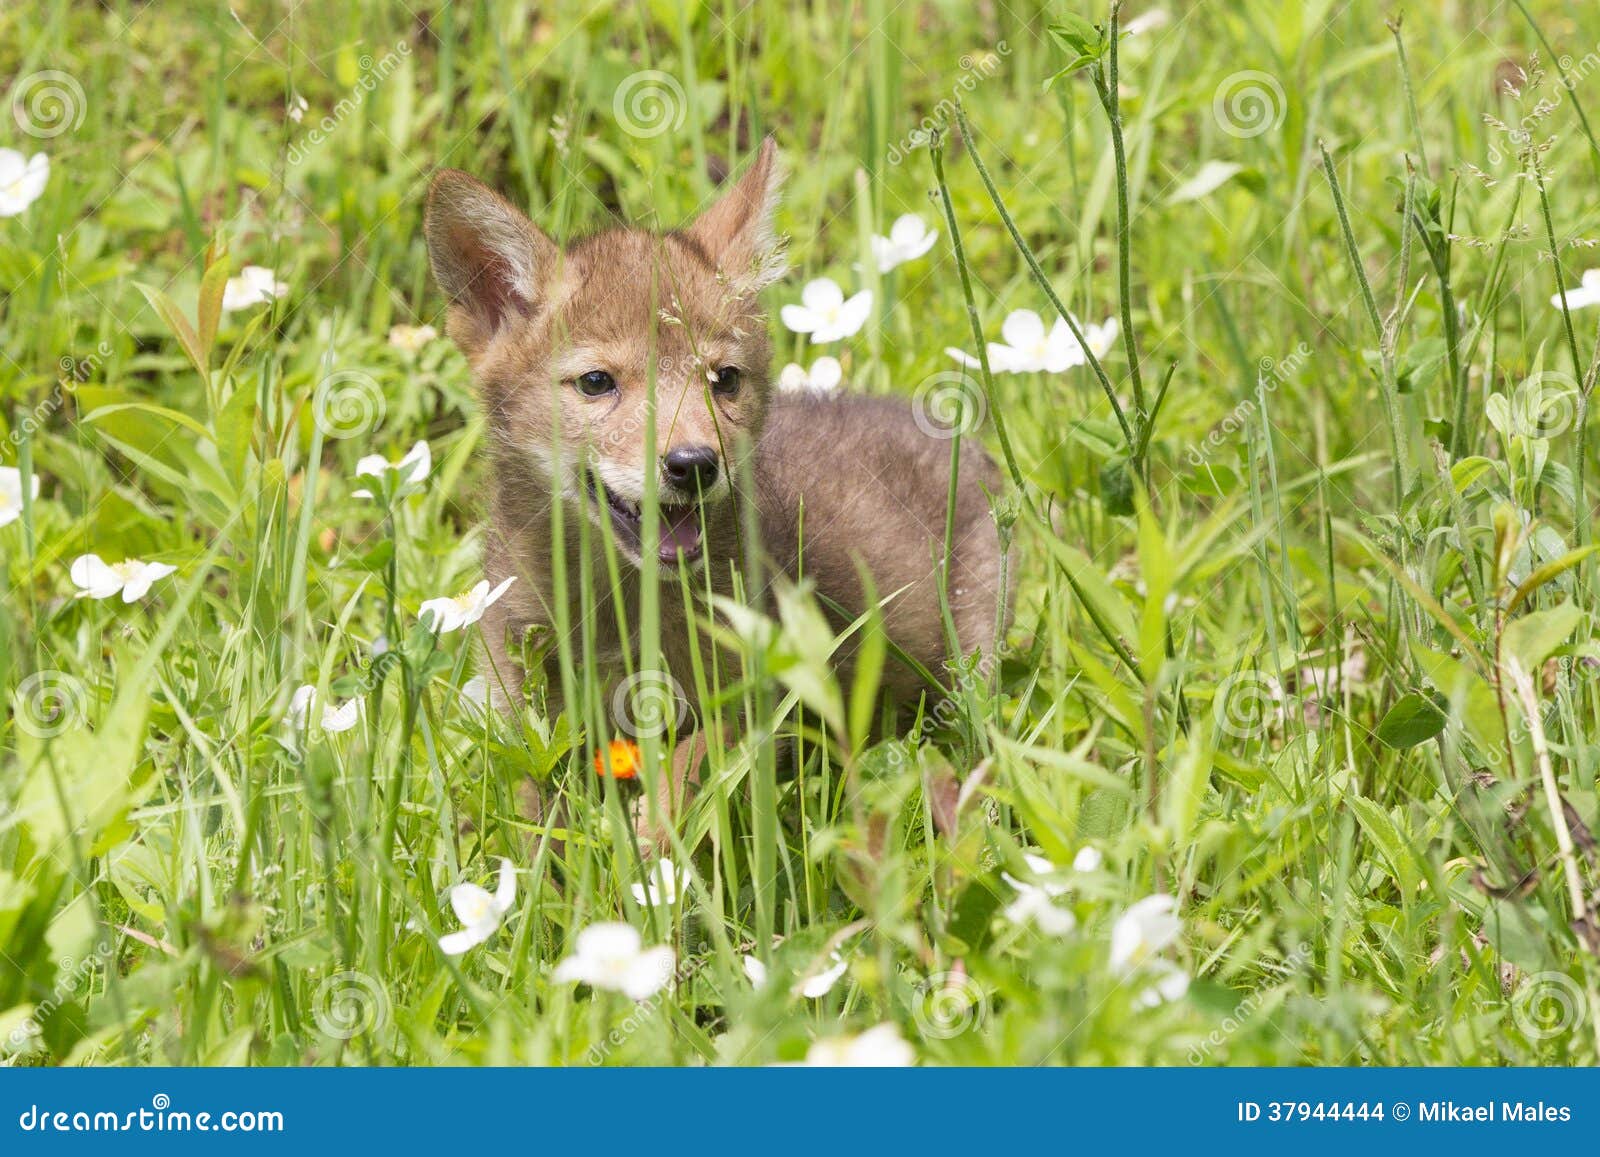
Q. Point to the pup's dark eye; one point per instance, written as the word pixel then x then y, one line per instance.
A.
pixel 595 383
pixel 726 380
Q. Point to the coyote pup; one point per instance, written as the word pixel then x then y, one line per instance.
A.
pixel 562 342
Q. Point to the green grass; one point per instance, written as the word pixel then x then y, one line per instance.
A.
pixel 1305 633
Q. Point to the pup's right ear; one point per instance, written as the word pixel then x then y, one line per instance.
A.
pixel 492 262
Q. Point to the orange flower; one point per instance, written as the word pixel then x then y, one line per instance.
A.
pixel 624 758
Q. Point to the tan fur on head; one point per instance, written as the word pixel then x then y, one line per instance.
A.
pixel 675 309
pixel 490 260
pixel 737 232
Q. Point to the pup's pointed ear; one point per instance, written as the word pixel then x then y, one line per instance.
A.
pixel 736 232
pixel 491 261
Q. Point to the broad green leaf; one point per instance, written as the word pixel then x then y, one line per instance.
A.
pixel 1210 177
pixel 971 922
pixel 1078 34
pixel 1413 720
pixel 83 778
pixel 209 312
pixel 1380 828
pixel 1549 571
pixel 1532 637
pixel 178 324
pixel 869 661
pixel 102 413
pixel 235 428
pixel 1105 607
pixel 1066 763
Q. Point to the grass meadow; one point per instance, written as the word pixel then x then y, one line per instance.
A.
pixel 1289 756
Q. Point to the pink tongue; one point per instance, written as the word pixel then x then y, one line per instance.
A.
pixel 680 530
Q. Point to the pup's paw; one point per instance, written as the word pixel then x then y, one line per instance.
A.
pixel 654 833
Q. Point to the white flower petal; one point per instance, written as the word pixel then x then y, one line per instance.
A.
pixel 879 1047
pixel 1005 360
pixel 471 903
pixel 821 983
pixel 608 956
pixel 608 941
pixel 94 578
pixel 505 894
pixel 299 702
pixel 255 285
pixel 1143 930
pixel 21 182
pixel 826 373
pixel 475 695
pixel 11 493
pixel 1022 329
pixel 455 943
pixel 1103 336
pixel 340 719
pixel 1062 350
pixel 908 231
pixel 1171 984
pixel 649 973
pixel 417 462
pixel 493 596
pixel 821 295
pixel 798 319
pixel 441 615
pixel 853 314
pixel 755 970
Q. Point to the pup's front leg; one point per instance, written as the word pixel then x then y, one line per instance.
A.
pixel 656 813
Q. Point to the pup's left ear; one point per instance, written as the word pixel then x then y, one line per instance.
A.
pixel 736 232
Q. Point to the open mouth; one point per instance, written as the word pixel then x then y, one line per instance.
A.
pixel 679 525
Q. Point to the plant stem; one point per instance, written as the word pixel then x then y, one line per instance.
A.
pixel 1389 389
pixel 1111 102
pixel 1044 284
pixel 977 325
pixel 1411 96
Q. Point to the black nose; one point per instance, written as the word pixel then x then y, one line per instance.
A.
pixel 691 467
